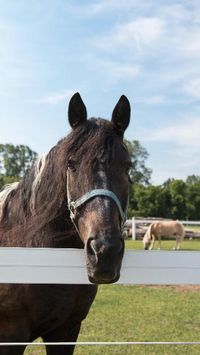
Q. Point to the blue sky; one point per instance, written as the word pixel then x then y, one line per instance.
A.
pixel 147 50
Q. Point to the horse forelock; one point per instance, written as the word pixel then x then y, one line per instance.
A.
pixel 93 141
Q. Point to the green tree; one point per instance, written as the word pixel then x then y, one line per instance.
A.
pixel 147 200
pixel 139 173
pixel 193 197
pixel 5 180
pixel 192 179
pixel 178 191
pixel 150 201
pixel 15 159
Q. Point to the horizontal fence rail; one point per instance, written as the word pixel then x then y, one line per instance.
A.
pixel 67 266
pixel 132 223
pixel 103 343
pixel 149 220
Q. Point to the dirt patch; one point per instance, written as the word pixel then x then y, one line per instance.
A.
pixel 186 288
pixel 181 288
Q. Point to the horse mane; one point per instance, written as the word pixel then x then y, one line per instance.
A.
pixel 4 194
pixel 35 188
pixel 40 198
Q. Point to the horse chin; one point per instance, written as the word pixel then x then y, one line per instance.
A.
pixel 102 279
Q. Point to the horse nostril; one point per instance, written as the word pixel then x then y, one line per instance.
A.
pixel 100 250
pixel 90 246
pixel 91 250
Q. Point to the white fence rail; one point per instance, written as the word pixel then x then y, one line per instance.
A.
pixel 67 266
pixel 131 224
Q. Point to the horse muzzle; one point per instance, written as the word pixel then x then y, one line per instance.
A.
pixel 103 259
pixel 102 278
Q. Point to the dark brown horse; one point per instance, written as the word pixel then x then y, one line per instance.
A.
pixel 74 197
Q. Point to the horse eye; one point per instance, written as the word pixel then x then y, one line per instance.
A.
pixel 71 164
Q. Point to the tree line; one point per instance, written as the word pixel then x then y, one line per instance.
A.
pixel 175 198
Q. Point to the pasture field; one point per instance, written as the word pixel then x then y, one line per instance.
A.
pixel 192 228
pixel 166 244
pixel 142 313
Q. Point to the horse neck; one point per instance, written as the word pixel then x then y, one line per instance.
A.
pixel 150 230
pixel 41 193
pixel 36 213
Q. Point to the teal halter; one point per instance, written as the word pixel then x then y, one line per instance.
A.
pixel 73 205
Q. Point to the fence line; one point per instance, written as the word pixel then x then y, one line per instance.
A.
pixel 131 224
pixel 48 265
pixel 62 266
pixel 92 343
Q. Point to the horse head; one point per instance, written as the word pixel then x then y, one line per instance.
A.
pixel 97 186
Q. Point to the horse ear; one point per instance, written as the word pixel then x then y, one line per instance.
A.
pixel 121 114
pixel 77 113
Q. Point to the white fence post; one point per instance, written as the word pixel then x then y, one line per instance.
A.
pixel 133 229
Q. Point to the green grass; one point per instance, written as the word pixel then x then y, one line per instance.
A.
pixel 166 244
pixel 133 313
pixel 142 313
pixel 192 228
pixel 136 313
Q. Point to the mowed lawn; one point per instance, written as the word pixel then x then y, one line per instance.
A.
pixel 166 244
pixel 142 313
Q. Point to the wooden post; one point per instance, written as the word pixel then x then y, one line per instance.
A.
pixel 133 229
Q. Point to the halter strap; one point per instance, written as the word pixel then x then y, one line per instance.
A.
pixel 73 205
pixel 97 192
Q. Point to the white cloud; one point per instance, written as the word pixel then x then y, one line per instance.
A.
pixel 104 7
pixel 143 30
pixel 55 97
pixel 116 70
pixel 152 100
pixel 177 148
pixel 163 172
pixel 136 34
pixel 192 46
pixel 184 134
pixel 193 88
pixel 176 13
pixel 165 44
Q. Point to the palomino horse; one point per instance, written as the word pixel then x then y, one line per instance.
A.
pixel 163 229
pixel 74 197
